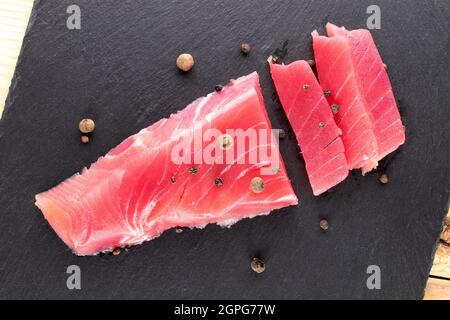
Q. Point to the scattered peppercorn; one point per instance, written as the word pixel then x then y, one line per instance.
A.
pixel 87 125
pixel 173 180
pixel 321 124
pixel 327 93
pixel 218 88
pixel 257 185
pixel 334 108
pixel 225 141
pixel 384 178
pixel 116 251
pixel 305 86
pixel 185 62
pixel 323 224
pixel 282 134
pixel 258 265
pixel 193 170
pixel 218 182
pixel 178 230
pixel 84 139
pixel 245 48
pixel 274 59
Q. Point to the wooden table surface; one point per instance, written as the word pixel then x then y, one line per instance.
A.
pixel 14 15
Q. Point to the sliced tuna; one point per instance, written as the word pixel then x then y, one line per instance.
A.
pixel 338 75
pixel 137 190
pixel 312 120
pixel 377 89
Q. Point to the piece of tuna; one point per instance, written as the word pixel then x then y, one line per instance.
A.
pixel 337 74
pixel 141 188
pixel 312 120
pixel 377 89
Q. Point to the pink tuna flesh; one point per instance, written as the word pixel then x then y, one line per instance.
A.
pixel 312 120
pixel 376 87
pixel 136 191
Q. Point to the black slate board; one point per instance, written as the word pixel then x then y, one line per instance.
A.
pixel 120 70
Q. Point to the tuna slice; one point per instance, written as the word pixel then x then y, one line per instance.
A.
pixel 312 121
pixel 137 191
pixel 337 73
pixel 377 89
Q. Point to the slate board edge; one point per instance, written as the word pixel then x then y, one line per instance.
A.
pixel 16 79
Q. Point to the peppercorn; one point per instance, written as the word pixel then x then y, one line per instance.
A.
pixel 257 185
pixel 225 141
pixel 185 62
pixel 257 265
pixel 245 48
pixel 173 180
pixel 84 139
pixel 384 178
pixel 311 62
pixel 327 93
pixel 218 182
pixel 282 134
pixel 116 251
pixel 385 66
pixel 321 124
pixel 323 224
pixel 334 108
pixel 218 88
pixel 178 230
pixel 193 170
pixel 305 86
pixel 86 125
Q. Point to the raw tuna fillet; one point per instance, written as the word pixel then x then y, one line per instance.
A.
pixel 312 121
pixel 376 87
pixel 337 73
pixel 137 190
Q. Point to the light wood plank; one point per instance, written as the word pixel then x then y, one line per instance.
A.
pixel 445 235
pixel 441 264
pixel 437 289
pixel 14 15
